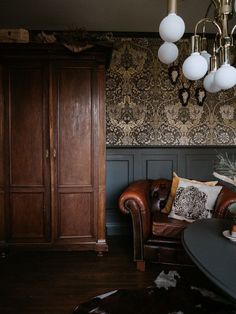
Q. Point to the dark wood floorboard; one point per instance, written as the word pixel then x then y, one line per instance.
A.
pixel 55 282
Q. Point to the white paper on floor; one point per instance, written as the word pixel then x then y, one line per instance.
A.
pixel 105 295
pixel 167 280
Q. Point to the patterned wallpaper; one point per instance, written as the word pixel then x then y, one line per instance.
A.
pixel 144 108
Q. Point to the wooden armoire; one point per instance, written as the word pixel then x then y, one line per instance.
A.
pixel 52 147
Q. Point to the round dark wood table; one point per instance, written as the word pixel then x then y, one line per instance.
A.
pixel 214 254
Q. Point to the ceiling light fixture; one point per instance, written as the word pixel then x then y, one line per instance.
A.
pixel 221 74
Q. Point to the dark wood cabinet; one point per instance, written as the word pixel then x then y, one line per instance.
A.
pixel 52 145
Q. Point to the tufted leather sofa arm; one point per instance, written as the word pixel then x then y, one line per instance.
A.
pixel 137 201
pixel 137 191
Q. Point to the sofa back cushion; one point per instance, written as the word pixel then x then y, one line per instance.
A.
pixel 159 192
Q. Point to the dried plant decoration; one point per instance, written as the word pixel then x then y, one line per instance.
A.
pixel 225 169
pixel 226 172
pixel 75 39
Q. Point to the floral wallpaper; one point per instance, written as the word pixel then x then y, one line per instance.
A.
pixel 144 106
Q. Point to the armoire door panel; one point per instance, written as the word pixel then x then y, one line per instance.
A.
pixel 26 125
pixel 74 126
pixel 27 216
pixel 76 215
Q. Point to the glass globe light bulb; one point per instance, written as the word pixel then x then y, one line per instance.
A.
pixel 225 76
pixel 168 53
pixel 207 56
pixel 171 28
pixel 195 67
pixel 209 84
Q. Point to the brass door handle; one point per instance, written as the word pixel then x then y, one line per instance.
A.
pixel 47 153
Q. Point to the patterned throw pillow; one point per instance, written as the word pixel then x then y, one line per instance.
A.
pixel 174 186
pixel 194 201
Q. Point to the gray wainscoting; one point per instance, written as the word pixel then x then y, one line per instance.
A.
pixel 127 164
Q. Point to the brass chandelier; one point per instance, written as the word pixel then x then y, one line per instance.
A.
pixel 215 65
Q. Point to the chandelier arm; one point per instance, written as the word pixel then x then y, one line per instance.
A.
pixel 216 3
pixel 208 20
pixel 217 46
pixel 232 32
pixel 208 9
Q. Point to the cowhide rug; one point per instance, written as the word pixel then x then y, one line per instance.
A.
pixel 169 295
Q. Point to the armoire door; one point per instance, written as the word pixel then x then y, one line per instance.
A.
pixel 27 152
pixel 75 153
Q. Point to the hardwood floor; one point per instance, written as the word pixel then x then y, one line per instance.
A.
pixel 55 282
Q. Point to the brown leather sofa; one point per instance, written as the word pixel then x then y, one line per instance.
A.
pixel 156 237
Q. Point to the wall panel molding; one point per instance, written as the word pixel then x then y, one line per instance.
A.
pixel 158 165
pixel 120 173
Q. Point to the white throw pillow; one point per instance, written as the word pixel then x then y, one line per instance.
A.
pixel 194 201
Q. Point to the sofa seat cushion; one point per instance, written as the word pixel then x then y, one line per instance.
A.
pixel 165 226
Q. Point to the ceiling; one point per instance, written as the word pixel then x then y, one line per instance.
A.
pixel 96 15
